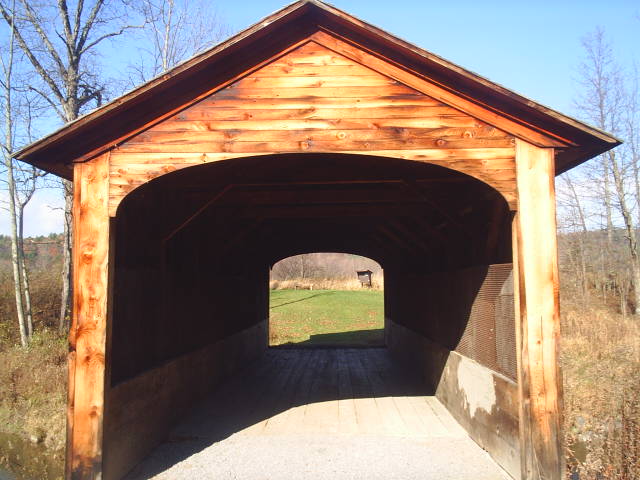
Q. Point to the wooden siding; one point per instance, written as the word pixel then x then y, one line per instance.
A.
pixel 313 99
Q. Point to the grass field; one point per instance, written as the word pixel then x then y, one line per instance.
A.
pixel 326 317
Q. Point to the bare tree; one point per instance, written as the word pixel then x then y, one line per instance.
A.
pixel 574 221
pixel 7 152
pixel 174 31
pixel 60 43
pixel 606 103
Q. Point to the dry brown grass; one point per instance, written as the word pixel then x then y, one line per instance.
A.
pixel 33 383
pixel 324 284
pixel 600 358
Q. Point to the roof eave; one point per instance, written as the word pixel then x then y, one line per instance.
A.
pixel 589 141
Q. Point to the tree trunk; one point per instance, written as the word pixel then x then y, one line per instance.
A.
pixel 607 201
pixel 635 268
pixel 26 290
pixel 8 151
pixel 15 256
pixel 630 228
pixel 65 295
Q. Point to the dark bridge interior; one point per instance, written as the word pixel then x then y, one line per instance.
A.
pixel 194 247
pixel 206 236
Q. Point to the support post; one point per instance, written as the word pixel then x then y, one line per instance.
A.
pixel 538 319
pixel 87 337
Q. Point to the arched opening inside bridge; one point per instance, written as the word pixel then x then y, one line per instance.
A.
pixel 191 303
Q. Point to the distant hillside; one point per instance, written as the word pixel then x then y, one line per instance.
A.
pixel 325 265
pixel 41 252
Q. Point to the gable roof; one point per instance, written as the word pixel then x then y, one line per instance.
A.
pixel 110 124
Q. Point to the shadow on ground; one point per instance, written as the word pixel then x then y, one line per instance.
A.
pixel 352 339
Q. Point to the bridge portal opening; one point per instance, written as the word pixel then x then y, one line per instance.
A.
pixel 318 300
pixel 192 304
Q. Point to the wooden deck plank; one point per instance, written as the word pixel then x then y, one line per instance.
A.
pixel 306 402
pixel 346 406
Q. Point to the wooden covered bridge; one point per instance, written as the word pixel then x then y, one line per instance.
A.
pixel 314 131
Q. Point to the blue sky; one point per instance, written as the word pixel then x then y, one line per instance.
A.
pixel 533 48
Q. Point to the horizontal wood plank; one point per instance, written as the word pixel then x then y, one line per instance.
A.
pixel 307 144
pixel 251 92
pixel 313 112
pixel 285 100
pixel 290 81
pixel 197 132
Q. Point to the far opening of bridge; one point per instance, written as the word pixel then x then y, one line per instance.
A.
pixel 326 299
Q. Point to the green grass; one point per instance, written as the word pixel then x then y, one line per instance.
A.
pixel 326 317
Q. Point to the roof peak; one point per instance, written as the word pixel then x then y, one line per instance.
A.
pixel 290 24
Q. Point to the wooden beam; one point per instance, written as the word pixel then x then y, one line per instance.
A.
pixel 410 235
pixel 450 218
pixel 197 213
pixel 398 240
pixel 88 331
pixel 538 325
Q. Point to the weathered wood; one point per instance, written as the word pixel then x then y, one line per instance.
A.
pixel 493 166
pixel 262 121
pixel 87 367
pixel 538 314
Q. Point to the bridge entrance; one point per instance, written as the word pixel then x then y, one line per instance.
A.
pixel 314 131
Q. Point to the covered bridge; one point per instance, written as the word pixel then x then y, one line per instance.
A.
pixel 314 131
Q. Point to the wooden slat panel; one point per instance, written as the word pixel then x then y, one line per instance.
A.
pixel 311 53
pixel 251 92
pixel 301 70
pixel 286 100
pixel 303 144
pixel 315 100
pixel 341 124
pixel 196 133
pixel 493 158
pixel 290 81
pixel 313 112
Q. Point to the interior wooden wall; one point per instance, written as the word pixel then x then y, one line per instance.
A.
pixel 449 325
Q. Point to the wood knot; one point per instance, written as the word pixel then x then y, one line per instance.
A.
pixel 304 145
pixel 440 142
pixel 341 135
pixel 467 134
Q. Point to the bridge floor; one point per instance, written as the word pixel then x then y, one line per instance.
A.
pixel 320 414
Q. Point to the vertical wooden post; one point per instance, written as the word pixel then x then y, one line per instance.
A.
pixel 537 304
pixel 87 338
